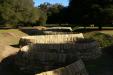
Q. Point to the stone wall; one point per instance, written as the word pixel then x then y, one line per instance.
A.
pixel 70 43
pixel 44 58
pixel 56 54
pixel 51 39
pixel 85 50
pixel 51 63
pixel 76 68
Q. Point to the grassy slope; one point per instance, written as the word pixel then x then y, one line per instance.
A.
pixel 102 65
pixel 10 36
pixel 7 38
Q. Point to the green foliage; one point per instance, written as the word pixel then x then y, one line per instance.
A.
pixel 42 19
pixel 103 39
pixel 45 6
pixel 53 12
pixel 15 12
pixel 91 11
pixel 51 8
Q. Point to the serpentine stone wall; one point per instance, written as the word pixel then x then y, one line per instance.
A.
pixel 44 57
pixel 55 54
pixel 56 33
pixel 85 49
pixel 53 39
pixel 76 68
pixel 47 62
pixel 50 55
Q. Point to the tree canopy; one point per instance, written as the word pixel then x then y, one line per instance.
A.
pixel 53 11
pixel 84 12
pixel 91 11
pixel 14 12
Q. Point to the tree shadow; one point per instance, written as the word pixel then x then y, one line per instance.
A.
pixel 31 31
pixel 108 50
pixel 15 46
pixel 8 67
pixel 102 65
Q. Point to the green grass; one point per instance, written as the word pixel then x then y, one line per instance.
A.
pixel 104 39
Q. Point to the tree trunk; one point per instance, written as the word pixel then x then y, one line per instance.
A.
pixel 100 27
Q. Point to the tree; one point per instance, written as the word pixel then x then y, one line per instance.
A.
pixel 14 12
pixel 54 13
pixel 45 6
pixel 42 19
pixel 91 11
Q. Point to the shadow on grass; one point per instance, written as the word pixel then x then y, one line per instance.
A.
pixel 7 67
pixel 109 50
pixel 101 66
pixel 15 46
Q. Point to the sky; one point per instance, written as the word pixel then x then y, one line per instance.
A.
pixel 63 2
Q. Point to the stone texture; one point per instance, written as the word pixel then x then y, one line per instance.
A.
pixel 55 54
pixel 88 49
pixel 76 68
pixel 50 39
